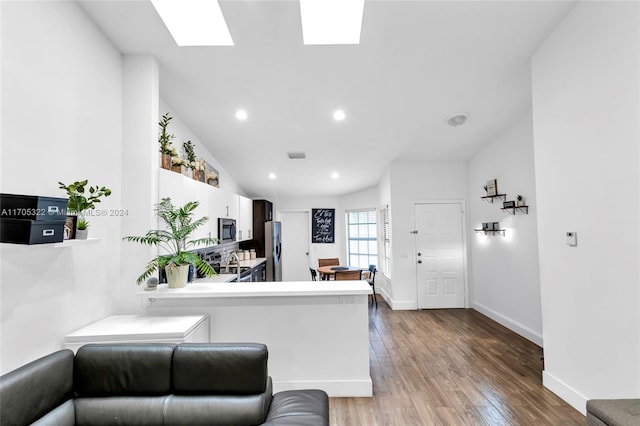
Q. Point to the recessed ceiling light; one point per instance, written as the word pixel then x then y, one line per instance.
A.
pixel 331 21
pixel 335 175
pixel 457 119
pixel 339 115
pixel 242 115
pixel 272 176
pixel 194 22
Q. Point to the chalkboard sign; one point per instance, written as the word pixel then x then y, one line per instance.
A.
pixel 323 225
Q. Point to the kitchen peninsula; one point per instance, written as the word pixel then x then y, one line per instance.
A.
pixel 317 332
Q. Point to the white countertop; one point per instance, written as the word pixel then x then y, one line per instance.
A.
pixel 121 327
pixel 219 289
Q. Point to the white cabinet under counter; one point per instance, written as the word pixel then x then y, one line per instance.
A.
pixel 317 332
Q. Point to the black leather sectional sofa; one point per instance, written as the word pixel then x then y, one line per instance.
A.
pixel 155 384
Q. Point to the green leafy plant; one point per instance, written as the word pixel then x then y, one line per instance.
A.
pixel 82 225
pixel 79 201
pixel 519 197
pixel 180 224
pixel 190 154
pixel 164 139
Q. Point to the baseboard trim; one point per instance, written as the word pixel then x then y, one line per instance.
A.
pixel 512 325
pixel 566 392
pixel 334 388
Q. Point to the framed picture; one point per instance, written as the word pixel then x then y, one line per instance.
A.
pixel 486 226
pixel 211 175
pixel 508 204
pixel 495 226
pixel 70 227
pixel 492 187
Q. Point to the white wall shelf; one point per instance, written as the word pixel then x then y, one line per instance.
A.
pixel 491 231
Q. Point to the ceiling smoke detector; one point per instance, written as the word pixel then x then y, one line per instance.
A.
pixel 457 119
pixel 296 155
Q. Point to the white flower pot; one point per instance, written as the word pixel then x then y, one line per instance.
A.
pixel 177 275
pixel 82 234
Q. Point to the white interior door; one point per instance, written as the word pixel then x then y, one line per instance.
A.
pixel 440 255
pixel 295 246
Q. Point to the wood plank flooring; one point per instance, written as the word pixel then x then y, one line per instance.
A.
pixel 451 367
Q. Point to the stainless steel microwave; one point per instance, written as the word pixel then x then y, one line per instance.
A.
pixel 226 230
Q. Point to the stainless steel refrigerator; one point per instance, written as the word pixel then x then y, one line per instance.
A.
pixel 273 250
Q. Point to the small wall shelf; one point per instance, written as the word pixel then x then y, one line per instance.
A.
pixel 492 198
pixel 513 210
pixel 490 231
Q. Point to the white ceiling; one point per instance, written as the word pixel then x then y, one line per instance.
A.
pixel 417 63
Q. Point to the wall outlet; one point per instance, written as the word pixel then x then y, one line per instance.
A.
pixel 572 238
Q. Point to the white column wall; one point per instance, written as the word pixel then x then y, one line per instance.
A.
pixel 585 113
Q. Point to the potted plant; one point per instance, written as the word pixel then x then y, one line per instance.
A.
pixel 190 156
pixel 519 200
pixel 80 201
pixel 164 139
pixel 174 241
pixel 82 229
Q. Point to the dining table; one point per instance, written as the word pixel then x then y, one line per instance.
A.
pixel 328 271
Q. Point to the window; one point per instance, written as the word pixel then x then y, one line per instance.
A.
pixel 386 242
pixel 362 244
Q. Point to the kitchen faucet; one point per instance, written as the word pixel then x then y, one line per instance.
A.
pixel 233 255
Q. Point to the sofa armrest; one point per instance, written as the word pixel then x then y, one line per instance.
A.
pixel 299 408
pixel 613 412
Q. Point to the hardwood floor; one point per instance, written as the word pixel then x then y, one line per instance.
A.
pixel 451 367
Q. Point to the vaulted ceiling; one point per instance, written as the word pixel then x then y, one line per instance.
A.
pixel 417 63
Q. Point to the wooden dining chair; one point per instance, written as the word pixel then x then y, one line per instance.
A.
pixel 354 275
pixel 327 262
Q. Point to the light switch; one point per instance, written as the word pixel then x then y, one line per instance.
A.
pixel 572 238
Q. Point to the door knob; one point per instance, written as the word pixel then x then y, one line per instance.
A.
pixel 419 254
pixel 419 260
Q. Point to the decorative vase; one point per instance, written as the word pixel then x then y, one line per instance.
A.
pixel 195 174
pixel 166 161
pixel 177 275
pixel 201 176
pixel 176 168
pixel 520 203
pixel 82 234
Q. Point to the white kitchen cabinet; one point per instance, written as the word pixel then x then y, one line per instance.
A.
pixel 245 218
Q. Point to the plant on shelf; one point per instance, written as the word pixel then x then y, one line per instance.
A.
pixel 190 156
pixel 174 240
pixel 519 200
pixel 82 229
pixel 80 201
pixel 164 139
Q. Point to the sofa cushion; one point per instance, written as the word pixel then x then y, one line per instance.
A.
pixel 62 415
pixel 123 370
pixel 615 412
pixel 219 410
pixel 220 368
pixel 33 390
pixel 120 410
pixel 299 407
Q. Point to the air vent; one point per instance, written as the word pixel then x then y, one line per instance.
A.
pixel 296 155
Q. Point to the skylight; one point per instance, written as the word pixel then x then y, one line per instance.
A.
pixel 194 22
pixel 331 21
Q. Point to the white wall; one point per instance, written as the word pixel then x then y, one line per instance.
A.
pixel 585 114
pixel 183 133
pixel 503 271
pixel 61 121
pixel 410 183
